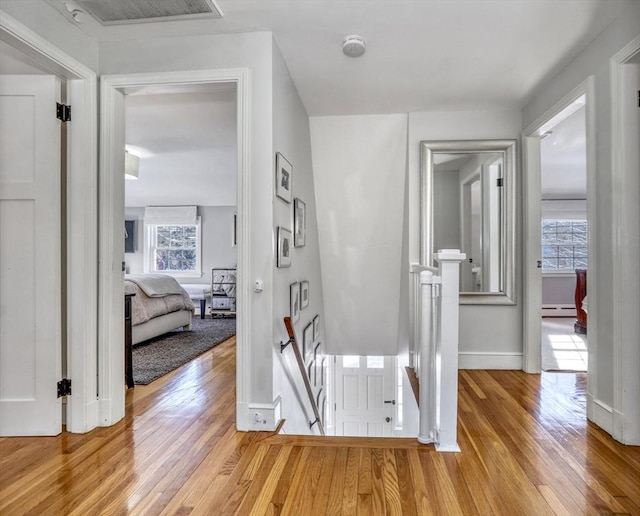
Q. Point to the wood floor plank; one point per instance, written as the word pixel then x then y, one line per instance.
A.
pixel 526 449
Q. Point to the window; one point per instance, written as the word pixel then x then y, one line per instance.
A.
pixel 174 248
pixel 564 245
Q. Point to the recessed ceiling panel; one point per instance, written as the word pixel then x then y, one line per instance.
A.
pixel 116 12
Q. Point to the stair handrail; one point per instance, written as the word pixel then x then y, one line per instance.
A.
pixel 303 371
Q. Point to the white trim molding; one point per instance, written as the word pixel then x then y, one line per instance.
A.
pixel 110 334
pixel 264 417
pixel 489 360
pixel 625 249
pixel 81 197
pixel 600 413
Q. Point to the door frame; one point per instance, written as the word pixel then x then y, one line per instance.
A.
pixel 626 382
pixel 81 223
pixel 111 201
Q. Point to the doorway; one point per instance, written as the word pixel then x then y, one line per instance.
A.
pixel 580 98
pixel 564 243
pixel 111 299
pixel 179 206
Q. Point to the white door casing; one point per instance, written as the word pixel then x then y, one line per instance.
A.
pixel 30 256
pixel 360 396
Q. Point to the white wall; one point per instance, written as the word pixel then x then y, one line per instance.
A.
pixel 594 60
pixel 49 23
pixel 216 230
pixel 490 336
pixel 360 164
pixel 251 51
pixel 291 138
pixel 446 207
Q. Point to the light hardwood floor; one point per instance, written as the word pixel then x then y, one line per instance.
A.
pixel 526 450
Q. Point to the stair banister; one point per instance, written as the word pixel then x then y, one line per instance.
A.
pixel 307 384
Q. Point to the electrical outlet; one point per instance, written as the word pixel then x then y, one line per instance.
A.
pixel 258 418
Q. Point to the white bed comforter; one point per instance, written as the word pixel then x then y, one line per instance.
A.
pixel 166 296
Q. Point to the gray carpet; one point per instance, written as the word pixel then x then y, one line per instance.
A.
pixel 160 355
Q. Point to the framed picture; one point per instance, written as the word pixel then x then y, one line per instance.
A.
pixel 299 222
pixel 304 294
pixel 284 248
pixel 294 301
pixel 307 341
pixel 316 327
pixel 284 177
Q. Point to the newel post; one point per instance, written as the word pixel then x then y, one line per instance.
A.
pixel 446 363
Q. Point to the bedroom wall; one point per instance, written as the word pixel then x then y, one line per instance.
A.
pixel 490 336
pixel 217 247
pixel 594 61
pixel 251 51
pixel 360 164
pixel 291 138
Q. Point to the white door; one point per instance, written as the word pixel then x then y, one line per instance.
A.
pixel 365 402
pixel 30 259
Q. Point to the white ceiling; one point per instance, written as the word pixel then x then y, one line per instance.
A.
pixel 421 54
pixel 186 143
pixel 563 159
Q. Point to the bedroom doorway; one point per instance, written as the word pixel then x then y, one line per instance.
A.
pixel 564 242
pixel 115 90
pixel 180 206
pixel 539 258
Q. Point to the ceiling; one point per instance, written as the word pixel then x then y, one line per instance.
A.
pixel 421 54
pixel 186 142
pixel 563 159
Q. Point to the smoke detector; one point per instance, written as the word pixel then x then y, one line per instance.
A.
pixel 353 46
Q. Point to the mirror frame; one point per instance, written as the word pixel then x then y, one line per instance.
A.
pixel 508 223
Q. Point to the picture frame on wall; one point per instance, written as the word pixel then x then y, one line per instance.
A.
pixel 299 222
pixel 284 178
pixel 307 343
pixel 294 302
pixel 283 258
pixel 304 294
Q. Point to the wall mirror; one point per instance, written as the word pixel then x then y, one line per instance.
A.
pixel 467 203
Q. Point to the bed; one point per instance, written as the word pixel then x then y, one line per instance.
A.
pixel 159 305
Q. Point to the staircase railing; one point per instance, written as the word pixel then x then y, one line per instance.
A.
pixel 303 371
pixel 435 329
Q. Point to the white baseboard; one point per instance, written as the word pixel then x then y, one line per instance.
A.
pixel 259 417
pixel 600 414
pixel 487 360
pixel 558 311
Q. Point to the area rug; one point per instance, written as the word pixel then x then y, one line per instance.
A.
pixel 158 356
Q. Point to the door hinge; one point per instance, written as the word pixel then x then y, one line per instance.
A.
pixel 63 112
pixel 499 182
pixel 64 387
